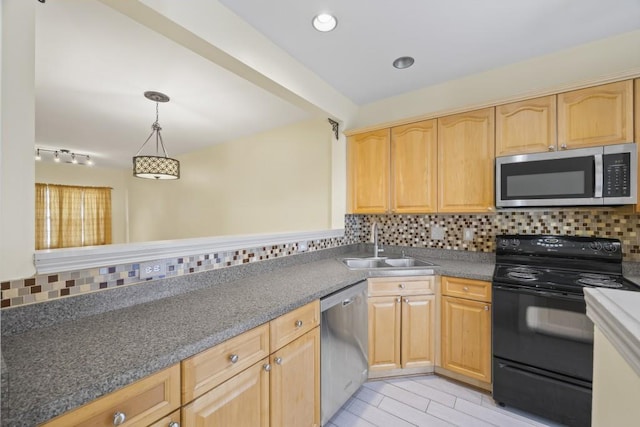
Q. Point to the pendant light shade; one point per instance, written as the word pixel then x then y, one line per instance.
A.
pixel 156 166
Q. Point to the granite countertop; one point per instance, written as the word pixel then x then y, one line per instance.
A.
pixel 53 369
pixel 617 314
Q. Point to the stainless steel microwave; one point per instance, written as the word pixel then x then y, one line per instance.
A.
pixel 606 175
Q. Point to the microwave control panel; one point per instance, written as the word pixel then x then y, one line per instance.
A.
pixel 617 176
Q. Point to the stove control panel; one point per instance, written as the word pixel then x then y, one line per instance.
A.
pixel 567 246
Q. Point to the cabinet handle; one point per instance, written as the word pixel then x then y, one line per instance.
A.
pixel 174 424
pixel 298 323
pixel 234 358
pixel 278 360
pixel 267 367
pixel 466 289
pixel 563 147
pixel 486 308
pixel 398 299
pixel 401 285
pixel 119 418
pixel 406 300
pixel 551 148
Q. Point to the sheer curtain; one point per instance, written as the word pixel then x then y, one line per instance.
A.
pixel 70 216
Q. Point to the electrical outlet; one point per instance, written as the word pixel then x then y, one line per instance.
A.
pixel 303 246
pixel 152 269
pixel 437 232
pixel 468 234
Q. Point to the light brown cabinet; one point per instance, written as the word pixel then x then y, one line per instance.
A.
pixel 596 115
pixel 526 127
pixel 466 143
pixel 465 338
pixel 269 375
pixel 139 404
pixel 401 322
pixel 368 168
pixel 414 165
pixel 637 127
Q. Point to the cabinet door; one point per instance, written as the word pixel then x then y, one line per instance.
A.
pixel 526 127
pixel 241 401
pixel 417 331
pixel 368 172
pixel 414 150
pixel 295 383
pixel 596 116
pixel 466 337
pixel 466 161
pixel 637 121
pixel 384 333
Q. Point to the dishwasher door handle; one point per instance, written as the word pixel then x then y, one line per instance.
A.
pixel 347 301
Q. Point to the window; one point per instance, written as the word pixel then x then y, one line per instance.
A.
pixel 69 216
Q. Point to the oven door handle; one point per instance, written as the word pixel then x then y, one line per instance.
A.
pixel 539 292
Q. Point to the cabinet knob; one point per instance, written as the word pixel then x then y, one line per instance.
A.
pixel 278 360
pixel 486 308
pixel 552 148
pixel 466 289
pixel 234 358
pixel 174 424
pixel 298 323
pixel 119 418
pixel 406 300
pixel 563 146
pixel 401 285
pixel 267 367
pixel 398 299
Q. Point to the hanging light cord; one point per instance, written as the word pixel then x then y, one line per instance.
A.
pixel 155 129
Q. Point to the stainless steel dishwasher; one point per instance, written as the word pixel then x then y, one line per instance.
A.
pixel 344 347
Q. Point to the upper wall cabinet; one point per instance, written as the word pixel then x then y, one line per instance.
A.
pixel 414 162
pixel 637 122
pixel 526 127
pixel 368 172
pixel 466 161
pixel 596 116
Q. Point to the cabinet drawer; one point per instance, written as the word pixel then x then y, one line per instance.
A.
pixel 388 286
pixel 294 324
pixel 477 290
pixel 142 403
pixel 211 367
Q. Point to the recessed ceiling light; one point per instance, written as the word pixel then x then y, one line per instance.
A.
pixel 403 62
pixel 324 22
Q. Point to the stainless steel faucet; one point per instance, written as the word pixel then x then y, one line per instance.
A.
pixel 377 248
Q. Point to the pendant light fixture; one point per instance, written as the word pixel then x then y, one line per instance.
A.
pixel 155 167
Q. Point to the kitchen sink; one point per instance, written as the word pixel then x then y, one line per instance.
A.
pixel 385 263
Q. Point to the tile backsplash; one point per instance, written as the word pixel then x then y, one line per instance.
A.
pixel 395 229
pixel 416 230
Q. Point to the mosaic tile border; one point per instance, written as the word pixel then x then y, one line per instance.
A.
pixel 415 230
pixel 47 287
pixel 395 229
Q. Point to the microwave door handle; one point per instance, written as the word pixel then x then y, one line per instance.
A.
pixel 599 175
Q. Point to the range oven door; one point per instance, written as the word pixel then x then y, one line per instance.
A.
pixel 543 330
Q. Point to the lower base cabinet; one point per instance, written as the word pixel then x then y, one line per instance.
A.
pixel 240 401
pixel 233 384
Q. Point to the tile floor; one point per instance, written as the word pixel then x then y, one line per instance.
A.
pixel 427 401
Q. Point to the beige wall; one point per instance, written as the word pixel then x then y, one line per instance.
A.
pixel 604 58
pixel 276 181
pixel 17 116
pixel 616 387
pixel 49 172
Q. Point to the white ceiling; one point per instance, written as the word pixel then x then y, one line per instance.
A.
pixel 93 64
pixel 448 38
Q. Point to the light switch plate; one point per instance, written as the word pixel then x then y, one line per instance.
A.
pixel 152 269
pixel 468 234
pixel 437 232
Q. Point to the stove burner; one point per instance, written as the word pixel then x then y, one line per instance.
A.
pixel 523 273
pixel 599 280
